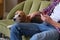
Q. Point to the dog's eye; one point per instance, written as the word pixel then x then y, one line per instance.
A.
pixel 19 16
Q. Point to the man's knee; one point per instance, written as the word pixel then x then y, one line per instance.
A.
pixel 46 35
pixel 14 27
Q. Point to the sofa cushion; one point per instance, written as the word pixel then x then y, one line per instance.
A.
pixel 27 6
pixel 35 6
pixel 44 4
pixel 3 26
pixel 6 22
pixel 4 30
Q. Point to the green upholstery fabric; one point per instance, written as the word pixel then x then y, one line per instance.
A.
pixel 43 5
pixel 27 6
pixel 3 26
pixel 35 6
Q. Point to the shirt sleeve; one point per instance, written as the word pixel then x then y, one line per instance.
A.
pixel 51 7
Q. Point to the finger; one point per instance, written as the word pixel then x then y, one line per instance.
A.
pixel 45 15
pixel 41 15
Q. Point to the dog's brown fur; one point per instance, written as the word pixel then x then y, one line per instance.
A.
pixel 26 18
pixel 35 17
pixel 23 17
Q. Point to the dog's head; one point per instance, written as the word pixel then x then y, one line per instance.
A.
pixel 19 16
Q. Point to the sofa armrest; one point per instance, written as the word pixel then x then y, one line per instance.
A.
pixel 17 7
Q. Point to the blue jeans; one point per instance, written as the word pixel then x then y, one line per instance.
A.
pixel 29 29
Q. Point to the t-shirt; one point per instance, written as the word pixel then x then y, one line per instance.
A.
pixel 56 13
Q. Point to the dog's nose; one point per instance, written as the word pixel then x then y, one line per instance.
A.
pixel 14 19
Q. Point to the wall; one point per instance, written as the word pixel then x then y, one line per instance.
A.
pixel 9 4
pixel 1 9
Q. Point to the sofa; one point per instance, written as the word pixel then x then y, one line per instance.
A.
pixel 27 6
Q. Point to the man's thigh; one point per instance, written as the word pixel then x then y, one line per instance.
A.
pixel 45 26
pixel 27 29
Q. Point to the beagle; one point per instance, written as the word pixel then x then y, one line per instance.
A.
pixel 34 17
pixel 21 17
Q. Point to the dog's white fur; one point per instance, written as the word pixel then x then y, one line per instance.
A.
pixel 9 26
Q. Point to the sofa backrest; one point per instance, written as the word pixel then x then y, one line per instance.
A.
pixel 29 6
pixel 34 5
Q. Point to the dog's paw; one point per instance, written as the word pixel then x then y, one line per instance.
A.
pixel 9 26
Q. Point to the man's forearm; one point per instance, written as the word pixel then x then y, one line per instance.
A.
pixel 55 24
pixel 47 19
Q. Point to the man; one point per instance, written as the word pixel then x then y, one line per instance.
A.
pixel 52 20
pixel 44 31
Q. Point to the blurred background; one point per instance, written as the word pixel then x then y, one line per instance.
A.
pixel 6 6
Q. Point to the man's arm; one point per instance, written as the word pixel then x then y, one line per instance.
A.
pixel 47 19
pixel 55 24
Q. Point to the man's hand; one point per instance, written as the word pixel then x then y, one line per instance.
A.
pixel 31 15
pixel 46 18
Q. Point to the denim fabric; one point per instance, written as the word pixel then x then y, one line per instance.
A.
pixel 28 29
pixel 46 35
